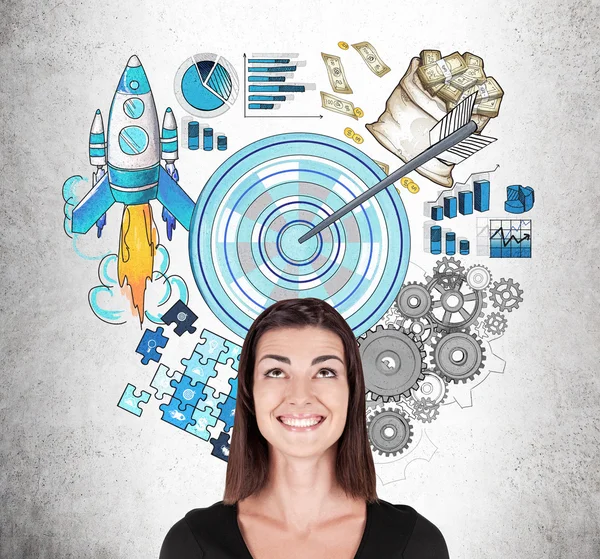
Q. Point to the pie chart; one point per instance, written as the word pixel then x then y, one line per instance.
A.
pixel 206 85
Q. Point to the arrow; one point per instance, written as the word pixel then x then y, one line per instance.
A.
pixel 457 141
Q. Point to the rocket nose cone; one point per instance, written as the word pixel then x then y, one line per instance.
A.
pixel 134 61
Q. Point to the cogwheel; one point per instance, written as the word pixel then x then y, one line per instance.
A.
pixel 414 300
pixel 478 277
pixel 393 362
pixel 448 266
pixel 455 306
pixel 423 328
pixel 389 430
pixel 506 294
pixel 433 387
pixel 425 410
pixel 458 356
pixel 495 323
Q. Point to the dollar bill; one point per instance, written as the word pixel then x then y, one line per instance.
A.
pixel 335 71
pixel 442 71
pixel 473 61
pixel 487 91
pixel 488 108
pixel 337 105
pixel 449 93
pixel 465 80
pixel 429 56
pixel 372 59
pixel 476 73
pixel 384 166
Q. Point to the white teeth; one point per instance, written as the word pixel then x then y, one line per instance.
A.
pixel 300 422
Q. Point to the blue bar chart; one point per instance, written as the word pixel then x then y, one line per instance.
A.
pixel 272 86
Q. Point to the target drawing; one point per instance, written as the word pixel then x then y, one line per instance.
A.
pixel 244 248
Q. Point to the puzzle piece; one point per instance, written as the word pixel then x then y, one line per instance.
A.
pixel 132 403
pixel 186 393
pixel 183 316
pixel 162 381
pixel 233 352
pixel 197 370
pixel 233 382
pixel 173 414
pixel 212 347
pixel 203 419
pixel 151 340
pixel 212 399
pixel 221 446
pixel 227 412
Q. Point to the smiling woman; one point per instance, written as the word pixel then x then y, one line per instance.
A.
pixel 300 477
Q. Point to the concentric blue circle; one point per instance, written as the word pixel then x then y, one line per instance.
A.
pixel 243 247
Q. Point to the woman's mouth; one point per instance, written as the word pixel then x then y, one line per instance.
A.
pixel 301 424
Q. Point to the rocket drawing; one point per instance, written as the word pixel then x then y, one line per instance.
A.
pixel 132 154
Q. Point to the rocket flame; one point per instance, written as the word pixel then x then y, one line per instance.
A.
pixel 137 247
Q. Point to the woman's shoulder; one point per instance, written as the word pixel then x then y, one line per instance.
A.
pixel 199 531
pixel 422 538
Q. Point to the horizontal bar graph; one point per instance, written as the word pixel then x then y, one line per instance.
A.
pixel 269 74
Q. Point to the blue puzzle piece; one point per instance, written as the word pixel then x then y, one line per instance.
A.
pixel 186 393
pixel 183 316
pixel 203 420
pixel 130 402
pixel 212 347
pixel 227 412
pixel 151 340
pixel 233 352
pixel 233 382
pixel 162 381
pixel 221 446
pixel 211 401
pixel 197 370
pixel 173 414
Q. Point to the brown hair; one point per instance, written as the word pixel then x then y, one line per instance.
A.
pixel 248 464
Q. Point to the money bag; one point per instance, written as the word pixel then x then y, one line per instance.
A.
pixel 403 128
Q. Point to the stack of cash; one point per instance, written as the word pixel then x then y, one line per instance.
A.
pixel 454 77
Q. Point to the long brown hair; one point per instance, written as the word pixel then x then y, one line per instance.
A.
pixel 248 464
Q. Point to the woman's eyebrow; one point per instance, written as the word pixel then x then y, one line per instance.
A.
pixel 316 360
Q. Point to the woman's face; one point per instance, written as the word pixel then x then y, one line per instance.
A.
pixel 300 371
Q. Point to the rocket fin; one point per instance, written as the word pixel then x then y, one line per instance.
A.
pixel 95 203
pixel 175 199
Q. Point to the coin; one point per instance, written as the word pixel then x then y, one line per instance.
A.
pixel 359 112
pixel 405 181
pixel 343 45
pixel 348 132
pixel 413 188
pixel 358 138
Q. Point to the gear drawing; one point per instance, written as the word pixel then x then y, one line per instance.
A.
pixel 478 277
pixel 414 300
pixel 422 327
pixel 433 387
pixel 456 306
pixel 425 410
pixel 393 362
pixel 495 323
pixel 458 356
pixel 448 266
pixel 506 294
pixel 389 430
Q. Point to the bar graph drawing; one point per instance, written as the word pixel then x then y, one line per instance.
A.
pixel 270 85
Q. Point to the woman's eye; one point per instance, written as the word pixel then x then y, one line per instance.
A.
pixel 331 373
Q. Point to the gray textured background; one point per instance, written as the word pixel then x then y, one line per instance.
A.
pixel 515 475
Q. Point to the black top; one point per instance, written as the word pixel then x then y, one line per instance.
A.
pixel 391 532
